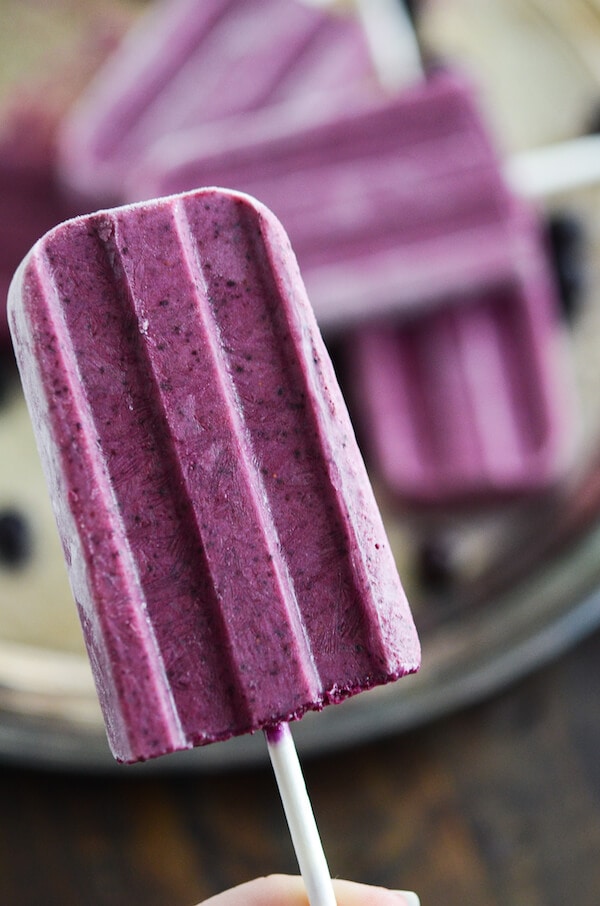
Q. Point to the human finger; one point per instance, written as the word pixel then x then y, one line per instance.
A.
pixel 288 890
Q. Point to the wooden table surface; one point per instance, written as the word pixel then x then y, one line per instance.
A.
pixel 498 805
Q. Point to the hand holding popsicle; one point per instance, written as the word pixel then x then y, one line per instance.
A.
pixel 283 890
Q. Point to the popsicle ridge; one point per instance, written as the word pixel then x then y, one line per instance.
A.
pixel 72 466
pixel 228 450
pixel 169 104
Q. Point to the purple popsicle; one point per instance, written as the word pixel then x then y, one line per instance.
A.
pixel 227 557
pixel 392 206
pixel 189 62
pixel 471 402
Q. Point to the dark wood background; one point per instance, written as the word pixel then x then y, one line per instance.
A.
pixel 498 805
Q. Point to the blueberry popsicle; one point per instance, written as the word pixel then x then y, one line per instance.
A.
pixel 225 551
pixel 188 62
pixel 469 402
pixel 390 206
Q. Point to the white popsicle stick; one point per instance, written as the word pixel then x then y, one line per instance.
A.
pixel 392 41
pixel 300 817
pixel 563 167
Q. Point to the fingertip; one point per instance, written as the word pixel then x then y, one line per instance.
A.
pixel 410 898
pixel 349 893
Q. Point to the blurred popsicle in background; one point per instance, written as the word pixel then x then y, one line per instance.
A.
pixel 189 62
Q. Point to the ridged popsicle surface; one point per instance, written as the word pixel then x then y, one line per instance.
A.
pixel 225 550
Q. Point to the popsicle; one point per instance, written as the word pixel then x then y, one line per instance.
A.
pixel 471 402
pixel 195 61
pixel 391 206
pixel 224 547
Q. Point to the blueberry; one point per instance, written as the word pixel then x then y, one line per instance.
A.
pixel 434 565
pixel 15 539
pixel 8 374
pixel 567 239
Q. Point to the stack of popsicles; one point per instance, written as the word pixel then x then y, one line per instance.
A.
pixel 397 206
